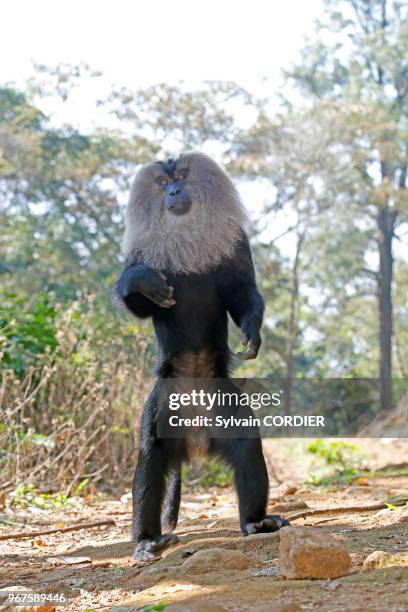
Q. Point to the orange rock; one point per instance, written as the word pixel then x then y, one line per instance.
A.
pixel 214 559
pixel 306 552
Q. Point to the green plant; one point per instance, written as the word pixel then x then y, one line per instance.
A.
pixel 27 329
pixel 212 473
pixel 28 495
pixel 336 462
pixel 69 410
pixel 156 607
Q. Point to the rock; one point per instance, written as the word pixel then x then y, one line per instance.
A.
pixel 260 541
pixel 17 588
pixel 288 488
pixel 380 558
pixel 305 552
pixel 284 489
pixel 391 517
pixel 271 570
pixel 215 559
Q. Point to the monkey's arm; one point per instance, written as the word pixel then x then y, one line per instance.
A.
pixel 243 300
pixel 142 289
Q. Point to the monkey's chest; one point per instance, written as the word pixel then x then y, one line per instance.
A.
pixel 197 298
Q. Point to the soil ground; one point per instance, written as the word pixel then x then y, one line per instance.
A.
pixel 107 578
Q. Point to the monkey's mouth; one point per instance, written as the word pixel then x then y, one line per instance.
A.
pixel 178 207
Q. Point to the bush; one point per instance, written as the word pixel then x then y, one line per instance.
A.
pixel 337 462
pixel 72 390
pixel 27 329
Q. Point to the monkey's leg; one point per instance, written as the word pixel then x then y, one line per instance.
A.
pixel 148 492
pixel 171 505
pixel 251 478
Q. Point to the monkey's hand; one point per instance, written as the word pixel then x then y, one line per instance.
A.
pixel 148 282
pixel 250 336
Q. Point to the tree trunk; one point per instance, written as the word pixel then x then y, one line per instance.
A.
pixel 292 325
pixel 385 221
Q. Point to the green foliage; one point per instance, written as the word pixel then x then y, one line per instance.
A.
pixel 337 453
pixel 156 607
pixel 337 462
pixel 69 407
pixel 28 496
pixel 15 110
pixel 207 473
pixel 81 486
pixel 27 329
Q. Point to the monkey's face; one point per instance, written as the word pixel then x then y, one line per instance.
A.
pixel 173 184
pixel 183 215
pixel 181 194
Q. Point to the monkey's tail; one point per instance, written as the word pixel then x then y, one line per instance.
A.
pixel 171 504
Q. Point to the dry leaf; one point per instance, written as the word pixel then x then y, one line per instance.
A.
pixel 361 481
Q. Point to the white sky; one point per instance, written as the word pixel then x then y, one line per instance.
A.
pixel 138 43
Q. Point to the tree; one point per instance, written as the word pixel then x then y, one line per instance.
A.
pixel 363 69
pixel 59 197
pixel 344 148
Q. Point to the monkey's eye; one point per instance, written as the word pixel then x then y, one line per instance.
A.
pixel 164 181
pixel 179 176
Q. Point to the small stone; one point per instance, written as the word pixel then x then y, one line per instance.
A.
pixel 305 552
pixel 289 488
pixel 188 553
pixel 331 585
pixel 215 559
pixel 17 588
pixel 391 517
pixel 282 490
pixel 380 558
pixel 268 571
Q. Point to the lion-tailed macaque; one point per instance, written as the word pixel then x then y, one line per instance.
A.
pixel 189 264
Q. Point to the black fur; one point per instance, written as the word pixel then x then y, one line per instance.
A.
pixel 196 324
pixel 169 167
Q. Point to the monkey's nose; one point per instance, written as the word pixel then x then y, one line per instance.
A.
pixel 174 191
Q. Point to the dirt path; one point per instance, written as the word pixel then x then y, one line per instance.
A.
pixel 108 577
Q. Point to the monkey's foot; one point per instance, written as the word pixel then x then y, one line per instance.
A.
pixel 271 522
pixel 147 550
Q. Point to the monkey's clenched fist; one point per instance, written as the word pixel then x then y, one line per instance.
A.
pixel 150 283
pixel 250 336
